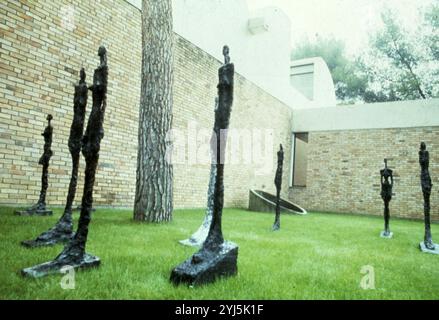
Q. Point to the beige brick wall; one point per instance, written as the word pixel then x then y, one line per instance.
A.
pixel 39 63
pixel 343 171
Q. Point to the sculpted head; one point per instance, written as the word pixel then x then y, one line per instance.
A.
pixel 226 54
pixel 82 75
pixel 102 51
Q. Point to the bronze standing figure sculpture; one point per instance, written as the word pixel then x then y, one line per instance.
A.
pixel 216 257
pixel 63 230
pixel 386 194
pixel 199 236
pixel 278 184
pixel 39 208
pixel 74 254
pixel 424 159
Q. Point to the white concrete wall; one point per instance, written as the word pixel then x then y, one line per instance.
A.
pixel 322 87
pixel 400 114
pixel 262 57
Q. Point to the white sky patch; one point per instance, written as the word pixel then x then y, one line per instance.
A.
pixel 349 20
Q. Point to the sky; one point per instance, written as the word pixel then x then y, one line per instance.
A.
pixel 349 20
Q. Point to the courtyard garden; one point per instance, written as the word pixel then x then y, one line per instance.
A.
pixel 317 256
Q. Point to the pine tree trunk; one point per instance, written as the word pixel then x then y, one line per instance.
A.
pixel 153 199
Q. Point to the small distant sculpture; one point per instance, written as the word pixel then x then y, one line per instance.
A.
pixel 199 236
pixel 216 257
pixel 39 208
pixel 424 159
pixel 278 184
pixel 74 254
pixel 63 230
pixel 226 55
pixel 386 194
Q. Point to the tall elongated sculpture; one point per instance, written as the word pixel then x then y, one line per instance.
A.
pixel 386 194
pixel 424 159
pixel 74 254
pixel 278 184
pixel 216 257
pixel 63 229
pixel 199 236
pixel 39 208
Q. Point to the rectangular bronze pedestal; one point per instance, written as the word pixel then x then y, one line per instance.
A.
pixel 205 266
pixel 53 267
pixel 425 249
pixel 33 213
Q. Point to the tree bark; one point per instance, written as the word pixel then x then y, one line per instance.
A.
pixel 154 199
pixel 410 70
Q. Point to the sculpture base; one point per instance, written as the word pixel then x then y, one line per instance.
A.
pixel 206 265
pixel 425 249
pixel 56 266
pixel 386 236
pixel 48 239
pixel 33 212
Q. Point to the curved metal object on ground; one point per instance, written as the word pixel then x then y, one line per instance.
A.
pixel 265 202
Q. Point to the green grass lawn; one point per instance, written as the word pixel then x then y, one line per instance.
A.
pixel 318 256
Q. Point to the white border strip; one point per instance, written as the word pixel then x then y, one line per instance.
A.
pixel 400 114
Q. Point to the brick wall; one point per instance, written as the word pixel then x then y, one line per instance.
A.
pixel 343 171
pixel 40 57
